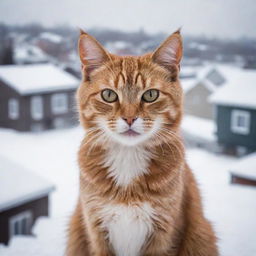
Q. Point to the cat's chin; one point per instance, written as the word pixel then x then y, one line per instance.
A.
pixel 130 138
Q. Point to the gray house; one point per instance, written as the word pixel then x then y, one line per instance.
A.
pixel 24 197
pixel 36 97
pixel 236 112
pixel 198 88
pixel 199 85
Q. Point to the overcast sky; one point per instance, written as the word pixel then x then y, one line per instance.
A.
pixel 221 18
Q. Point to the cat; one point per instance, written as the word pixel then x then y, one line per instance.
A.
pixel 138 196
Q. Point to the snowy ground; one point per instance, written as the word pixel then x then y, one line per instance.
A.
pixel 52 154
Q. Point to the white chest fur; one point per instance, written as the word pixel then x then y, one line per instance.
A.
pixel 128 227
pixel 125 163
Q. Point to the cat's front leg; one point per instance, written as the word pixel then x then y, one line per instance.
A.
pixel 160 245
pixel 99 245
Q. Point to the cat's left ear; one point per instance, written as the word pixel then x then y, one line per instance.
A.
pixel 169 53
pixel 92 54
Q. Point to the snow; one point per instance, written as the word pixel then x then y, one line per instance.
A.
pixel 15 188
pixel 239 90
pixel 187 84
pixel 53 155
pixel 27 79
pixel 231 208
pixel 51 37
pixel 188 71
pixel 192 76
pixel 199 128
pixel 29 54
pixel 39 243
pixel 246 167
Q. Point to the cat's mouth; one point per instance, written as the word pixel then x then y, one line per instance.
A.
pixel 130 132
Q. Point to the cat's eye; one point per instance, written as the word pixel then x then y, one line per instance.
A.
pixel 109 95
pixel 150 95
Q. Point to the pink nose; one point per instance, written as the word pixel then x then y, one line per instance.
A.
pixel 129 120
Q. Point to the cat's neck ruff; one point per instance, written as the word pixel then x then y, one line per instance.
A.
pixel 125 163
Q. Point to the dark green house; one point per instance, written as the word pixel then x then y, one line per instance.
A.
pixel 235 105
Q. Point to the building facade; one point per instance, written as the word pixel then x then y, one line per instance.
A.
pixel 38 107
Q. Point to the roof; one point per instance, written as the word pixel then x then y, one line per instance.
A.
pixel 188 83
pixel 245 168
pixel 34 78
pixel 239 90
pixel 188 71
pixel 207 129
pixel 192 76
pixel 55 38
pixel 19 186
pixel 29 53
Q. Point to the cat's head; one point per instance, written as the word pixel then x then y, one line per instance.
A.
pixel 130 99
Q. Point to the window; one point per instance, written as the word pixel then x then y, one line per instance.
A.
pixel 240 122
pixel 37 111
pixel 59 103
pixel 21 223
pixel 13 109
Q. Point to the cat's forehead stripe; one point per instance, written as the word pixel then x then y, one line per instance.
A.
pixel 120 80
pixel 129 74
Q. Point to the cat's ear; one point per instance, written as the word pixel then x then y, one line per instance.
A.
pixel 169 53
pixel 92 54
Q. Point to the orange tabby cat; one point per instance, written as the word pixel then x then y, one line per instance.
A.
pixel 137 194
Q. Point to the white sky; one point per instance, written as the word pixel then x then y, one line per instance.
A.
pixel 222 18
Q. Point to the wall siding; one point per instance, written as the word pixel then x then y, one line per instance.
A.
pixel 202 108
pixel 47 121
pixel 25 121
pixel 226 136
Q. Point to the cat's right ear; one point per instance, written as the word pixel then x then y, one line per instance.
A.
pixel 169 53
pixel 92 54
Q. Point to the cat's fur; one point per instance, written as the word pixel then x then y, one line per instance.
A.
pixel 137 194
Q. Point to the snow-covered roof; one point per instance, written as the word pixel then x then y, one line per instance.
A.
pixel 188 83
pixel 34 78
pixel 29 54
pixel 239 90
pixel 190 125
pixel 51 37
pixel 197 75
pixel 245 168
pixel 188 71
pixel 19 186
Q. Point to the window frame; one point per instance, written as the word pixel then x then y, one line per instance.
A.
pixel 18 219
pixel 59 109
pixel 235 115
pixel 13 108
pixel 37 107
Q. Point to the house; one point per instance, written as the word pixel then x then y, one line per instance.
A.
pixel 198 88
pixel 235 105
pixel 36 97
pixel 24 197
pixel 244 172
pixel 52 44
pixel 29 54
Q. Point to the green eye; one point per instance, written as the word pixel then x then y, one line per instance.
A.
pixel 109 95
pixel 150 95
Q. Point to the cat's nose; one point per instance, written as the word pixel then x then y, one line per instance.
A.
pixel 129 120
